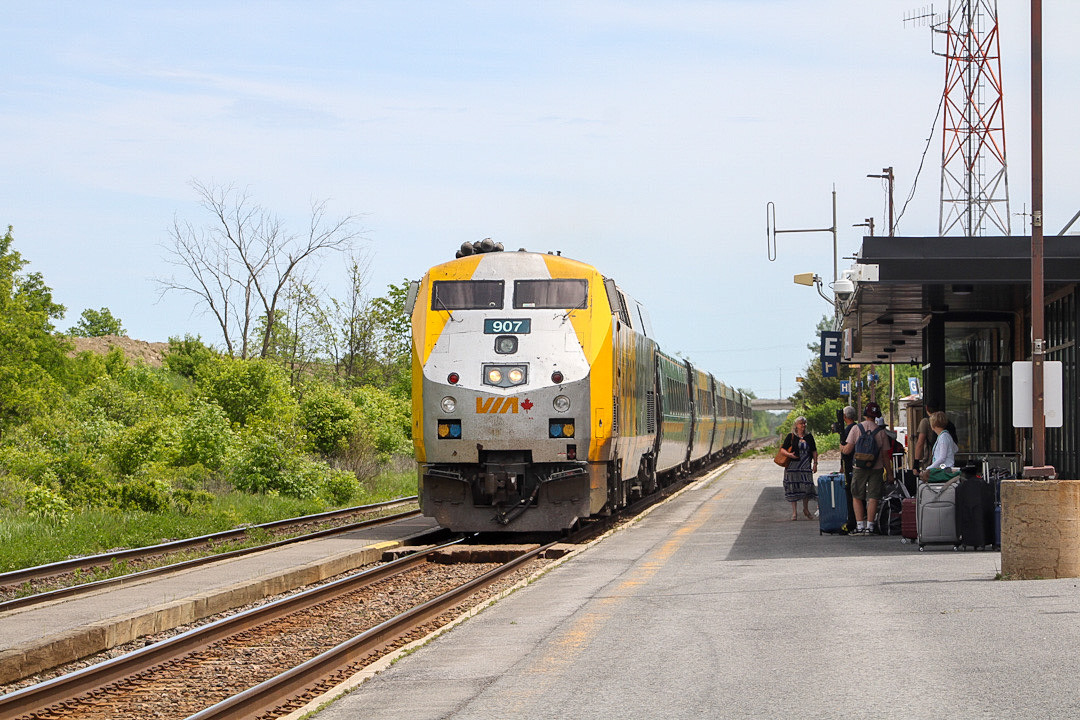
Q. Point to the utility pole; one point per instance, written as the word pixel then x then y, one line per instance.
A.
pixel 1038 419
pixel 887 175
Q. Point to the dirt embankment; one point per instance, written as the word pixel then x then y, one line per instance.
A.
pixel 150 353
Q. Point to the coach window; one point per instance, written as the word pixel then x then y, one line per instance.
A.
pixel 467 295
pixel 550 294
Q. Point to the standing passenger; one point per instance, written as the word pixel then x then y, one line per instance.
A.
pixel 846 466
pixel 799 445
pixel 867 483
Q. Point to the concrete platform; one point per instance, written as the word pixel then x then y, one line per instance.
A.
pixel 36 638
pixel 716 605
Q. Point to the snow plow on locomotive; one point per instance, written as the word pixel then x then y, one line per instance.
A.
pixel 540 396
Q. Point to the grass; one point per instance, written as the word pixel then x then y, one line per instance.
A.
pixel 26 541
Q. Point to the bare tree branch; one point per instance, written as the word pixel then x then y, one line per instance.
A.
pixel 240 264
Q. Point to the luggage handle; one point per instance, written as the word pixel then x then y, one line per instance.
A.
pixel 952 481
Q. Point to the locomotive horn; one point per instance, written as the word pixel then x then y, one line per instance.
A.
pixel 487 245
pixel 466 249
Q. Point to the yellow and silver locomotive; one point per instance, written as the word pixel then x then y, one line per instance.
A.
pixel 540 396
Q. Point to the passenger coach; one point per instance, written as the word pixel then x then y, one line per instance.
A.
pixel 541 397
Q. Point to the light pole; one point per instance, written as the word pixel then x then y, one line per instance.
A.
pixel 771 232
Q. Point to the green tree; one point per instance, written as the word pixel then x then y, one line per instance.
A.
pixel 96 323
pixel 31 356
pixel 393 346
pixel 816 389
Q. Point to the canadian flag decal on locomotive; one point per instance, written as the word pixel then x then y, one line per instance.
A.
pixel 492 406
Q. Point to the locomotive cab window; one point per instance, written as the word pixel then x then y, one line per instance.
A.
pixel 467 295
pixel 550 294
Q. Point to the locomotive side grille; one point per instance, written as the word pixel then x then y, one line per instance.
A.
pixel 615 415
pixel 650 410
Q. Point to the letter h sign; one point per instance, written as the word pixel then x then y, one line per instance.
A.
pixel 830 353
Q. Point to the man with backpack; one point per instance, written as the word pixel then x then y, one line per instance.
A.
pixel 872 450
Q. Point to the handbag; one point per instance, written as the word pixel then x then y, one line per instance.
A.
pixel 940 474
pixel 781 459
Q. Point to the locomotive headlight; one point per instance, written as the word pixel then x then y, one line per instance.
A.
pixel 561 403
pixel 448 404
pixel 506 376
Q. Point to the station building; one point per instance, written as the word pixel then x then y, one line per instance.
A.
pixel 960 307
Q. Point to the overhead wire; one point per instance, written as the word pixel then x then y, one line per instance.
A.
pixel 922 161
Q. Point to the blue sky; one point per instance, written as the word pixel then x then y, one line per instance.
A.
pixel 643 137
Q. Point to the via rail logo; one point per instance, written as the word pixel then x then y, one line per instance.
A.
pixel 500 406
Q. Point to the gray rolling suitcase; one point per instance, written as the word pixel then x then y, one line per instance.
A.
pixel 935 509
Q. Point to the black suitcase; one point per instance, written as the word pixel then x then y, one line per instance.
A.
pixel 974 513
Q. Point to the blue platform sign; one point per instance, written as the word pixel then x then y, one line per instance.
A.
pixel 845 387
pixel 831 342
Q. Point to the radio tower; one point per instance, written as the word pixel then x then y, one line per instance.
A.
pixel 974 174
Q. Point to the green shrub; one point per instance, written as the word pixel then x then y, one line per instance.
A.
pixel 261 462
pixel 385 422
pixel 169 392
pixel 143 493
pixel 148 440
pixel 341 487
pixel 304 480
pixel 249 389
pixel 188 357
pixel 82 370
pixel 205 437
pixel 47 504
pixel 109 400
pixel 192 502
pixel 81 480
pixel 328 417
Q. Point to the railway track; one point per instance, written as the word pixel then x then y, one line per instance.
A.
pixel 30 586
pixel 289 651
pixel 278 655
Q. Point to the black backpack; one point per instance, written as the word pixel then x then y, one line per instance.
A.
pixel 888 516
pixel 866 448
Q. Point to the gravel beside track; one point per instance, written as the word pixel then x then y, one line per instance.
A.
pixel 181 688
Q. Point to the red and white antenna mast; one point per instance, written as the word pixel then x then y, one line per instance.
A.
pixel 974 173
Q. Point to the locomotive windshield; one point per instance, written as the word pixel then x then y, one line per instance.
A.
pixel 467 294
pixel 555 294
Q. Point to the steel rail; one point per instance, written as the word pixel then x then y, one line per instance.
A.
pixel 52 692
pixel 17 577
pixel 270 694
pixel 132 578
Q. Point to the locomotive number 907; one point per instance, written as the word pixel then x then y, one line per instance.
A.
pixel 521 326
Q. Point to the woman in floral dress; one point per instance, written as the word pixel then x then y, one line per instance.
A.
pixel 799 445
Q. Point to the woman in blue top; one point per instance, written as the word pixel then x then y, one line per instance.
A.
pixel 944 454
pixel 799 445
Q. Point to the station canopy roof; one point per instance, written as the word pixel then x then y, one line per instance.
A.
pixel 962 278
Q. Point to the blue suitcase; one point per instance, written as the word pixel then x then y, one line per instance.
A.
pixel 832 503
